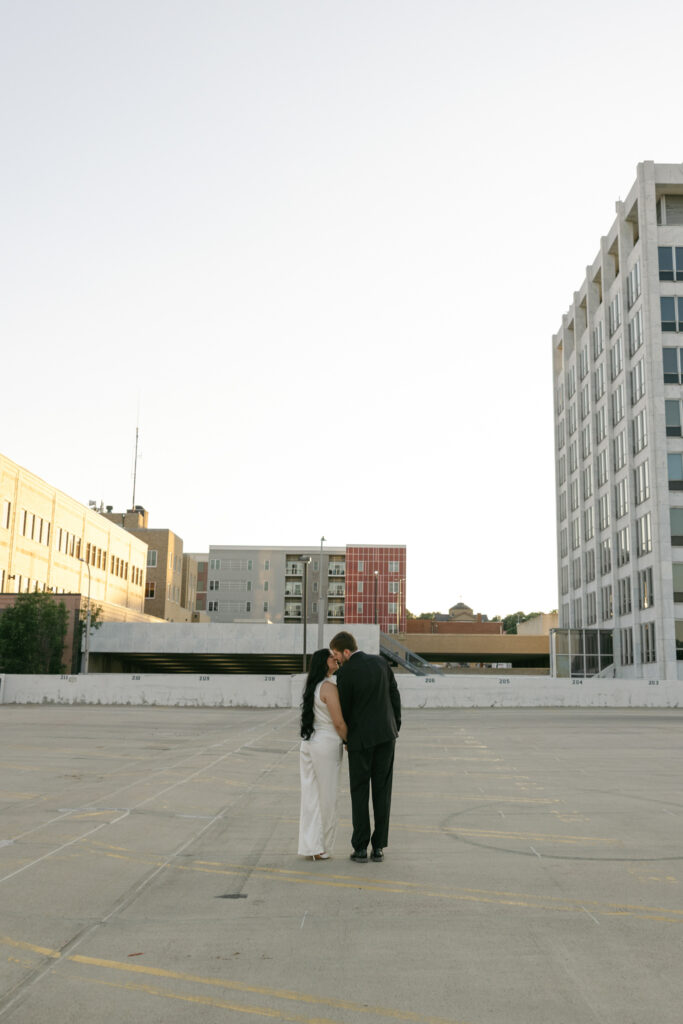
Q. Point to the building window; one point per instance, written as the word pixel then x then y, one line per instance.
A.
pixel 598 342
pixel 670 263
pixel 214 584
pixel 643 535
pixel 573 459
pixel 394 586
pixel 674 463
pixel 571 382
pixel 361 566
pixel 672 360
pixel 6 514
pixel 574 495
pixel 672 417
pixel 561 470
pixel 151 559
pixel 587 482
pixel 576 613
pixel 150 590
pixel 576 574
pixel 589 565
pixel 605 556
pixel 359 608
pixel 599 382
pixel 600 425
pixel 266 565
pixel 626 645
pixel 583 362
pixel 623 546
pixel 586 441
pixel 360 586
pixel 393 567
pixel 614 314
pixel 601 464
pixel 637 382
pixel 619 451
pixel 591 609
pixel 639 432
pixel 671 308
pixel 678 581
pixel 603 511
pixel 617 358
pixel 571 420
pixel 248 606
pixel 392 608
pixel 214 563
pixel 213 606
pixel 645 590
pixel 560 435
pixel 585 402
pixel 624 592
pixel 621 498
pixel 564 579
pixel 641 482
pixel 576 536
pixel 648 651
pixel 633 285
pixel 618 405
pixel 606 610
pixel 588 524
pixel 676 522
pixel 563 542
pixel 635 332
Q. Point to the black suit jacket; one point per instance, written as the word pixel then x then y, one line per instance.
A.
pixel 370 701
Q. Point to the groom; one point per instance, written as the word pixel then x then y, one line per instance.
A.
pixel 371 707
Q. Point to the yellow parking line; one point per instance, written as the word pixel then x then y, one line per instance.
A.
pixel 298 997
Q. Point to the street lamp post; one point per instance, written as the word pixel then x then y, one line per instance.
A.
pixel 322 600
pixel 399 608
pixel 306 559
pixel 376 579
pixel 86 652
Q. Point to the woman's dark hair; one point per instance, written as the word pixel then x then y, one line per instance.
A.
pixel 316 673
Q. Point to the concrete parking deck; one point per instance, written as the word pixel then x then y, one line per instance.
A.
pixel 148 872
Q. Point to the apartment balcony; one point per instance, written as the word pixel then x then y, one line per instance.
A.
pixel 293 590
pixel 336 591
pixel 335 613
pixel 294 569
pixel 337 569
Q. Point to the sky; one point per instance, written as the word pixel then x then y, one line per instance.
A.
pixel 316 252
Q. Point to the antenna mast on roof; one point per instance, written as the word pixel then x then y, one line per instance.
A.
pixel 135 460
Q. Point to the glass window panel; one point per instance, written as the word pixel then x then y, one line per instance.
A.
pixel 678 577
pixel 666 263
pixel 668 310
pixel 679 263
pixel 672 409
pixel 675 464
pixel 676 519
pixel 670 359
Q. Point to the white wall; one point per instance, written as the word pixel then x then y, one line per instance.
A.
pixel 285 691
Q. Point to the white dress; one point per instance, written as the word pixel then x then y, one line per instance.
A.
pixel 320 761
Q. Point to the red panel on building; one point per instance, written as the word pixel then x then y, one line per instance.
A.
pixel 376 586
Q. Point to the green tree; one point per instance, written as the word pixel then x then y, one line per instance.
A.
pixel 32 634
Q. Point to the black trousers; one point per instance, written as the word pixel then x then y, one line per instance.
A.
pixel 372 768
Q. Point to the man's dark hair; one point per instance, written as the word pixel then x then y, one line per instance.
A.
pixel 343 642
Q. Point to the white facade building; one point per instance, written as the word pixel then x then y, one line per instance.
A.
pixel 617 374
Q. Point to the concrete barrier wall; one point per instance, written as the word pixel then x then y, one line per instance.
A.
pixel 285 691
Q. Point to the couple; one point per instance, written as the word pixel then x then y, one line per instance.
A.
pixel 362 710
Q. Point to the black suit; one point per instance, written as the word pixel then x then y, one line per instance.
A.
pixel 371 707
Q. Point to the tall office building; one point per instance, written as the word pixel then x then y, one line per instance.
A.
pixel 617 374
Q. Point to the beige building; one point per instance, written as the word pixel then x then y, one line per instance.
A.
pixel 49 541
pixel 171 586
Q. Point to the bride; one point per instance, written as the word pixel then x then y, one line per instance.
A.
pixel 323 730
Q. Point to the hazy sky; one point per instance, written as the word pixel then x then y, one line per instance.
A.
pixel 322 247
